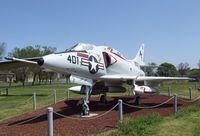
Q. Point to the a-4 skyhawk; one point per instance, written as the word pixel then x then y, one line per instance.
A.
pixel 98 70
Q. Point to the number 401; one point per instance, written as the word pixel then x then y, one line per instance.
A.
pixel 73 59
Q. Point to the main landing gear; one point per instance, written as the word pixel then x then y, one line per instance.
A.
pixel 85 107
pixel 103 99
pixel 137 100
pixel 137 95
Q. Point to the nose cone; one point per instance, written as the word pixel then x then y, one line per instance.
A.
pixel 40 61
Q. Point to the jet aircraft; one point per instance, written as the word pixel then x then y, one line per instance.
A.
pixel 98 70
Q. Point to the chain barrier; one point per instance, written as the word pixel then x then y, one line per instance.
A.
pixel 64 93
pixel 151 107
pixel 61 93
pixel 87 118
pixel 46 103
pixel 25 101
pixel 62 99
pixel 191 101
pixel 183 96
pixel 49 96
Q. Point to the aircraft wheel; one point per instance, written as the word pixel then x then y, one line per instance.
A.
pixel 137 100
pixel 103 99
pixel 85 109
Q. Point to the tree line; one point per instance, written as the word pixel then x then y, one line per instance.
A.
pixel 24 70
pixel 168 69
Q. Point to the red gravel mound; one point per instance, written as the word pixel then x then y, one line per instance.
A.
pixel 66 126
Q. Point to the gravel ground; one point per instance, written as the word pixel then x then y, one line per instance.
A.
pixel 75 125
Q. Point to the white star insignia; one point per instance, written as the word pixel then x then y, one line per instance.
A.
pixel 93 65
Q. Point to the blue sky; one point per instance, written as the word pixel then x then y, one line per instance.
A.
pixel 170 29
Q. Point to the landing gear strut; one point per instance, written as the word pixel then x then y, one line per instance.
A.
pixel 137 100
pixel 85 107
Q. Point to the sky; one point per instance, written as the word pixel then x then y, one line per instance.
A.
pixel 169 29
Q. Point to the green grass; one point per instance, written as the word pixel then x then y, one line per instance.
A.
pixel 16 103
pixel 184 123
pixel 180 88
pixel 142 126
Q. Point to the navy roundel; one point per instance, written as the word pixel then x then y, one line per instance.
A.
pixel 93 65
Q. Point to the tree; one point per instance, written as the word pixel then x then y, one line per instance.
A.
pixel 195 72
pixel 183 68
pixel 47 50
pixel 150 71
pixel 28 52
pixel 2 49
pixel 166 69
pixel 199 64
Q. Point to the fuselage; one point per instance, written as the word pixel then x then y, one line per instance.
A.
pixel 91 61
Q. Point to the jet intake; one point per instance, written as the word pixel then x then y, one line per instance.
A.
pixel 78 89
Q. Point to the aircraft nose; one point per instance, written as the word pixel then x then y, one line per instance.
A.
pixel 40 61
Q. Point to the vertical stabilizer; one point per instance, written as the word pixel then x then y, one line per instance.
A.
pixel 139 58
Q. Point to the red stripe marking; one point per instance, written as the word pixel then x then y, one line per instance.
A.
pixel 85 62
pixel 82 55
pixel 100 65
pixel 111 50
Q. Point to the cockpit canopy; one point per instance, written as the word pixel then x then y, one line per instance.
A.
pixel 81 47
pixel 84 47
pixel 114 51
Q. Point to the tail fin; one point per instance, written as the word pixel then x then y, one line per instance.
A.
pixel 139 58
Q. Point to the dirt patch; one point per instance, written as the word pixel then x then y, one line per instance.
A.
pixel 65 126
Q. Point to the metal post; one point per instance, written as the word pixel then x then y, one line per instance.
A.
pixel 129 91
pixel 169 91
pixel 34 101
pixel 6 91
pixel 50 121
pixel 190 93
pixel 54 96
pixel 175 103
pixel 67 94
pixel 120 111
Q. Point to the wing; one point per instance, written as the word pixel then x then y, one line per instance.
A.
pixel 140 78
